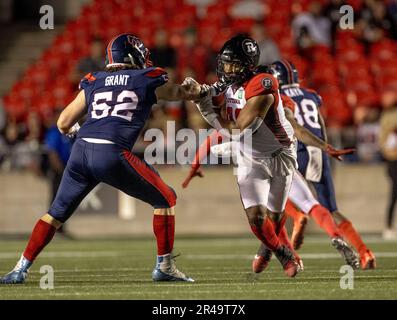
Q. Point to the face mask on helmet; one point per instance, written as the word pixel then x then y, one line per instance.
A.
pixel 237 60
pixel 228 71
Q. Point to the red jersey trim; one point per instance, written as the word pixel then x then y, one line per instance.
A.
pixel 262 83
pixel 89 77
pixel 156 73
pixel 288 102
pixel 151 177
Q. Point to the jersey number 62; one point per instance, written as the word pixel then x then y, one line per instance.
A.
pixel 122 109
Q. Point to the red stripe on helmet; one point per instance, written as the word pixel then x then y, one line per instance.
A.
pixel 289 69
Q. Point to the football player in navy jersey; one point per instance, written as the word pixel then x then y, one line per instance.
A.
pixel 314 163
pixel 117 103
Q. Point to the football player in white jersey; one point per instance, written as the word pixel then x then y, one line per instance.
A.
pixel 253 105
pixel 300 193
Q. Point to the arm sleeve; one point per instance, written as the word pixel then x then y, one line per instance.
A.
pixel 261 84
pixel 288 102
pixel 204 149
pixel 316 97
pixel 86 81
pixel 156 77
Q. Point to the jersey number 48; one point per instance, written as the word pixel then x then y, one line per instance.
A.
pixel 122 109
pixel 307 113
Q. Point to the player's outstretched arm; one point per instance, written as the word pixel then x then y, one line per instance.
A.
pixel 306 137
pixel 202 152
pixel 323 128
pixel 173 92
pixel 72 113
pixel 252 115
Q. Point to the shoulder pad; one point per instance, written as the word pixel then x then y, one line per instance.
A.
pixel 86 81
pixel 156 72
pixel 288 102
pixel 262 83
pixel 316 97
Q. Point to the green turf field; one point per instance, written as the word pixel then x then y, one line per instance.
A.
pixel 121 269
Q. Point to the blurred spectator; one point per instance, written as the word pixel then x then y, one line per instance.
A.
pixel 32 141
pixel 388 146
pixel 249 9
pixel 20 153
pixel 162 55
pixel 375 22
pixel 311 28
pixel 193 56
pixel 2 116
pixel 2 127
pixel 269 49
pixel 34 129
pixel 91 63
pixel 12 133
pixel 382 19
pixel 58 148
pixel 367 137
pixel 392 10
pixel 332 12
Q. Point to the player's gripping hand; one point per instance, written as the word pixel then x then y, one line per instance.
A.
pixel 338 153
pixel 73 131
pixel 194 172
pixel 205 89
pixel 192 87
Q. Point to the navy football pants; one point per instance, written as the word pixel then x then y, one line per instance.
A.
pixel 91 163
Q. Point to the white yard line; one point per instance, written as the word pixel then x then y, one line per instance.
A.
pixel 307 256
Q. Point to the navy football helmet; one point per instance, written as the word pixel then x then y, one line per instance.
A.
pixel 127 49
pixel 285 72
pixel 237 59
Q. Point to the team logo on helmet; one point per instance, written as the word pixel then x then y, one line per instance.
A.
pixel 134 41
pixel 249 47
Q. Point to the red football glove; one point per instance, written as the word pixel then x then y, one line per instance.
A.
pixel 337 154
pixel 193 173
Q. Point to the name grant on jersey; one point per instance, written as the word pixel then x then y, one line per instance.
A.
pixel 117 80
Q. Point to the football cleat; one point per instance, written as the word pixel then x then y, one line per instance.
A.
pixel 287 260
pixel 299 261
pixel 14 277
pixel 261 259
pixel 367 260
pixel 298 232
pixel 347 253
pixel 166 270
pixel 19 274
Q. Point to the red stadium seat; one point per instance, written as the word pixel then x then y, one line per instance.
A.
pixel 384 50
pixel 323 75
pixel 350 68
pixel 242 25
